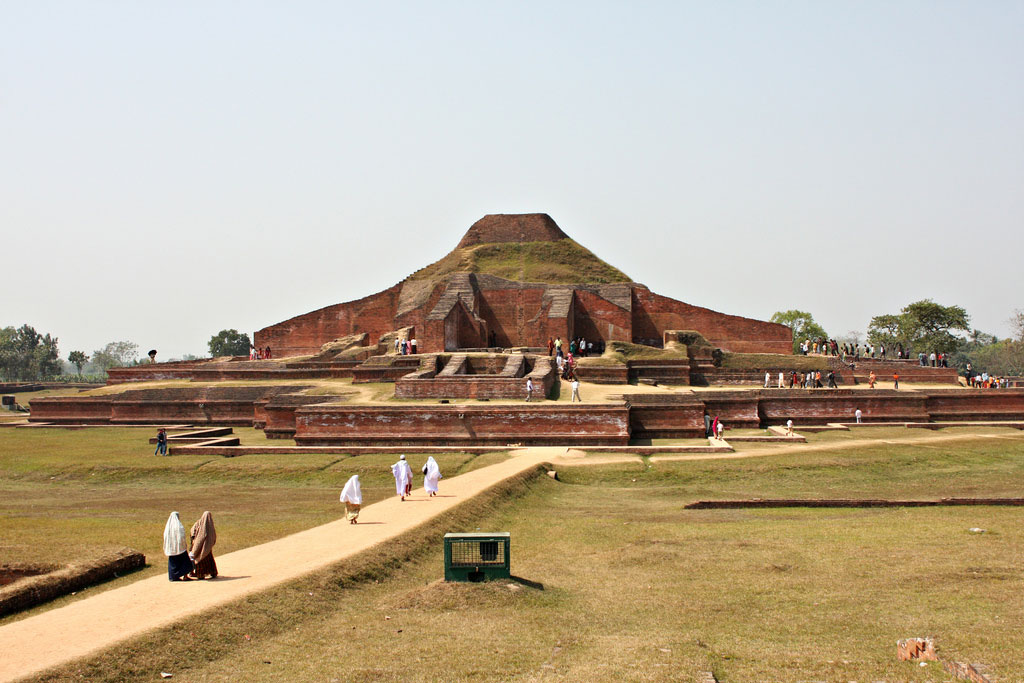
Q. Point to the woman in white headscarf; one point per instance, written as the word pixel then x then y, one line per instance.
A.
pixel 176 549
pixel 431 473
pixel 352 497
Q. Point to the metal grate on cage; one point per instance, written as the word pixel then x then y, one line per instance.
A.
pixel 477 553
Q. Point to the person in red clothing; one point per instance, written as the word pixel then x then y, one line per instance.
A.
pixel 895 380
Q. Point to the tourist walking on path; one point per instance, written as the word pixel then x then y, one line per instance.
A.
pixel 895 380
pixel 789 427
pixel 204 536
pixel 782 380
pixel 767 378
pixel 529 389
pixel 551 346
pixel 352 497
pixel 403 477
pixel 412 346
pixel 176 549
pixel 872 378
pixel 161 442
pixel 575 391
pixel 431 474
pixel 707 425
pixel 857 414
pixel 720 427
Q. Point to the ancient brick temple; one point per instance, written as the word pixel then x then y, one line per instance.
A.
pixel 514 280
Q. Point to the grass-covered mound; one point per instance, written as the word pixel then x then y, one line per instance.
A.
pixel 559 262
pixel 618 352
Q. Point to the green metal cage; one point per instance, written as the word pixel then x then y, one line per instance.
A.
pixel 477 556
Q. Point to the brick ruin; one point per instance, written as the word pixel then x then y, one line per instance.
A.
pixel 284 412
pixel 473 310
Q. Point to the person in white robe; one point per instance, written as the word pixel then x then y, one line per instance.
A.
pixel 431 473
pixel 403 477
pixel 352 497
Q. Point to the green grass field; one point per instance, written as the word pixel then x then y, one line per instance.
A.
pixel 634 587
pixel 68 495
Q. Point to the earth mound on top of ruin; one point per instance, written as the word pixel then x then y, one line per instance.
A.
pixel 522 248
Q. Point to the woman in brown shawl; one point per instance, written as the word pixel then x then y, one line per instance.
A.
pixel 203 538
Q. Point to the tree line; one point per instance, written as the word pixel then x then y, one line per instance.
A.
pixel 925 327
pixel 29 356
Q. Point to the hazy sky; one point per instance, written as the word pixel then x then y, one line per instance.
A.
pixel 168 170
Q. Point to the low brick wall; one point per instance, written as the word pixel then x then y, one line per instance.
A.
pixel 385 369
pixel 657 416
pixel 819 406
pixel 223 371
pixel 35 590
pixel 603 374
pixel 663 371
pixel 193 405
pixel 457 425
pixel 737 409
pixel 71 409
pixel 510 383
pixel 975 404
pixel 277 414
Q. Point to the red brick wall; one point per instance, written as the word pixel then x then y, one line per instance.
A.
pixel 457 425
pixel 305 334
pixel 596 318
pixel 512 314
pixel 71 409
pixel 976 404
pixel 661 417
pixel 737 409
pixel 524 227
pixel 653 314
pixel 819 406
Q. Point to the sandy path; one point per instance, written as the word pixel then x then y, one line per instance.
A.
pixel 58 636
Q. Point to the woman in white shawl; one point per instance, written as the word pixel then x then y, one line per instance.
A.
pixel 352 497
pixel 431 473
pixel 403 477
pixel 176 549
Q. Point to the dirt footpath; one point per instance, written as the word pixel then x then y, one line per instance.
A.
pixel 82 628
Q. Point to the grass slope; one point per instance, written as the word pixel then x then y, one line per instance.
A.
pixel 561 262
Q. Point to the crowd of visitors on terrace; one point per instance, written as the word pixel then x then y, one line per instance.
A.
pixel 830 347
pixel 982 380
pixel 256 353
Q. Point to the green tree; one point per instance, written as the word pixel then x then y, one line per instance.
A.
pixel 115 355
pixel 803 326
pixel 923 326
pixel 78 359
pixel 26 355
pixel 1000 358
pixel 229 343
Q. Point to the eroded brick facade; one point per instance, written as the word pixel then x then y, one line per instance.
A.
pixel 465 310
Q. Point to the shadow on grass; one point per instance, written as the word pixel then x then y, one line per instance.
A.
pixel 526 582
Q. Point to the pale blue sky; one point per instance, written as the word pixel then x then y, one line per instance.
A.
pixel 170 170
